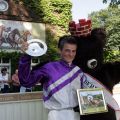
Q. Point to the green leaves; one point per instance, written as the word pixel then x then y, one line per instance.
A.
pixel 14 56
pixel 112 2
pixel 111 21
pixel 56 14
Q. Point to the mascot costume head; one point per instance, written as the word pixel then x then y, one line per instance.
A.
pixel 89 58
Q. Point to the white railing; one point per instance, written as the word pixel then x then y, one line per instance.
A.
pixel 22 106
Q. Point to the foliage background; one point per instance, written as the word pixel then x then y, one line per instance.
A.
pixel 110 20
pixel 56 15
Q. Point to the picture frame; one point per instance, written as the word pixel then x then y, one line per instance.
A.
pixel 91 101
pixel 14 32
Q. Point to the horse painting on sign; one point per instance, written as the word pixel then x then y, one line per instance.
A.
pixel 13 38
pixel 26 36
pixel 13 33
pixel 2 28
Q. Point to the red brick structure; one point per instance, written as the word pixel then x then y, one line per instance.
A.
pixel 83 28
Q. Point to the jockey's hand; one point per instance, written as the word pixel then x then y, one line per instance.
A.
pixel 24 46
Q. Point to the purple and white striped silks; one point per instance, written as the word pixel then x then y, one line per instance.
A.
pixel 62 92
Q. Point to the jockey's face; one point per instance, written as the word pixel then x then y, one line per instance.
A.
pixel 68 52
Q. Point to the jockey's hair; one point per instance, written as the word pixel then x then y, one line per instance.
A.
pixel 66 39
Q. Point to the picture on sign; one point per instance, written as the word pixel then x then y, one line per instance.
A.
pixel 12 33
pixel 91 101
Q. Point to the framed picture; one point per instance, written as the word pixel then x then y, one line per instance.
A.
pixel 12 33
pixel 91 101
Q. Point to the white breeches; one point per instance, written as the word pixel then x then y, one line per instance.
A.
pixel 65 114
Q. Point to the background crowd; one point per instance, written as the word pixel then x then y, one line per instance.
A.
pixel 12 84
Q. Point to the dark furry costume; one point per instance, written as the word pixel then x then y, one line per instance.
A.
pixel 91 48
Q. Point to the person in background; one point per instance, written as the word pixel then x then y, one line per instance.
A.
pixel 60 80
pixel 25 89
pixel 4 80
pixel 15 82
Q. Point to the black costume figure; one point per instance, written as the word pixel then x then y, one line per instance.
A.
pixel 89 58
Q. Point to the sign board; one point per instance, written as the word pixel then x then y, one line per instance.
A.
pixel 91 101
pixel 13 32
